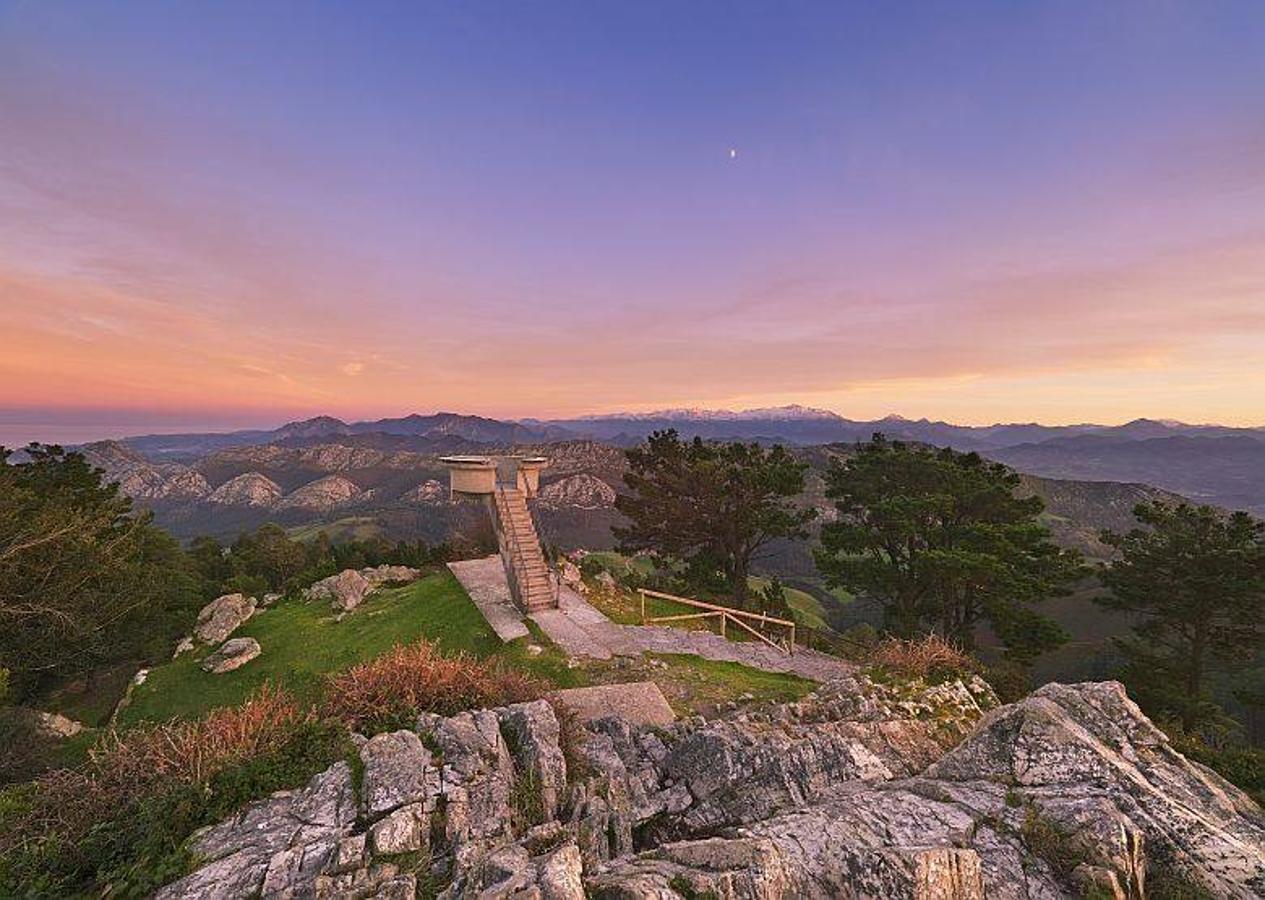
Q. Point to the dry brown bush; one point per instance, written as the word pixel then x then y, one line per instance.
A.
pixel 190 752
pixel 127 766
pixel 391 689
pixel 929 658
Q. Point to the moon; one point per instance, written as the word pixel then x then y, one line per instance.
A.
pixel 733 152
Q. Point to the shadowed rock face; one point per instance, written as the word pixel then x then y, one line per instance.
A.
pixel 860 790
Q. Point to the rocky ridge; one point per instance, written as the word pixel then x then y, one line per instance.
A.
pixel 431 491
pixel 582 491
pixel 247 489
pixel 861 789
pixel 323 495
pixel 139 478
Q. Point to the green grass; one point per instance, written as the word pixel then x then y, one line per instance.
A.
pixel 550 664
pixel 806 608
pixel 619 564
pixel 624 608
pixel 696 681
pixel 302 642
pixel 352 528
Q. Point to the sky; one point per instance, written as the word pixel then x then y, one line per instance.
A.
pixel 232 214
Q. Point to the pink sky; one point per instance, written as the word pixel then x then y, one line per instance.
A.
pixel 170 245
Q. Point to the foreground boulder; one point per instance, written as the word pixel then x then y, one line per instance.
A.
pixel 222 616
pixel 344 591
pixel 275 844
pixel 232 655
pixel 860 790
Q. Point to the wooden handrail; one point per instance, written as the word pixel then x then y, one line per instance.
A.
pixel 725 613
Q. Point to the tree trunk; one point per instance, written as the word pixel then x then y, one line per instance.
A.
pixel 901 618
pixel 738 581
pixel 1195 675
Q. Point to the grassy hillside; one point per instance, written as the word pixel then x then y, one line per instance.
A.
pixel 807 608
pixel 301 642
pixel 304 642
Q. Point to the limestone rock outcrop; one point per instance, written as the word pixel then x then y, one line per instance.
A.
pixel 387 574
pixel 344 591
pixel 222 616
pixel 56 725
pixel 860 790
pixel 322 495
pixel 288 839
pixel 571 576
pixel 582 491
pixel 232 654
pixel 248 489
pixel 429 492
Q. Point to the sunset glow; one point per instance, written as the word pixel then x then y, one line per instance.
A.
pixel 250 216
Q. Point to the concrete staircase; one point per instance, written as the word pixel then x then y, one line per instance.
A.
pixel 531 582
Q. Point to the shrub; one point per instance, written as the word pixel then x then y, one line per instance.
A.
pixel 26 746
pixel 390 691
pixel 1049 841
pixel 121 818
pixel 1010 680
pixel 1240 764
pixel 931 658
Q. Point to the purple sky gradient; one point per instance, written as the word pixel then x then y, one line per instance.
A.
pixel 241 213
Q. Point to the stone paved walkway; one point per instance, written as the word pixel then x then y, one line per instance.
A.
pixel 811 664
pixel 583 632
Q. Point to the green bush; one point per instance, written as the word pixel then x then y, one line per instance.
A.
pixel 1241 765
pixel 1011 681
pixel 26 747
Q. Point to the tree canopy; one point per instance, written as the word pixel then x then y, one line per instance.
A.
pixel 940 539
pixel 713 505
pixel 1195 577
pixel 84 580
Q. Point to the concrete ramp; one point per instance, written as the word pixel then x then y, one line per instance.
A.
pixel 484 580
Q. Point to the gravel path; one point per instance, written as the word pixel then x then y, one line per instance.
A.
pixel 633 640
pixel 806 663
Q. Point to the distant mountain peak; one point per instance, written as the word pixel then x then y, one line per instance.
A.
pixel 315 426
pixel 791 412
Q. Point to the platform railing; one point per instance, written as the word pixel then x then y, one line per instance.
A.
pixel 726 615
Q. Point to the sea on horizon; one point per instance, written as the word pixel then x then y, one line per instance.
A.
pixel 16 435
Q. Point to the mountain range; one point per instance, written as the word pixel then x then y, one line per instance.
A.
pixel 1215 464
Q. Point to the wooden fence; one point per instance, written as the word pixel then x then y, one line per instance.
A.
pixel 726 615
